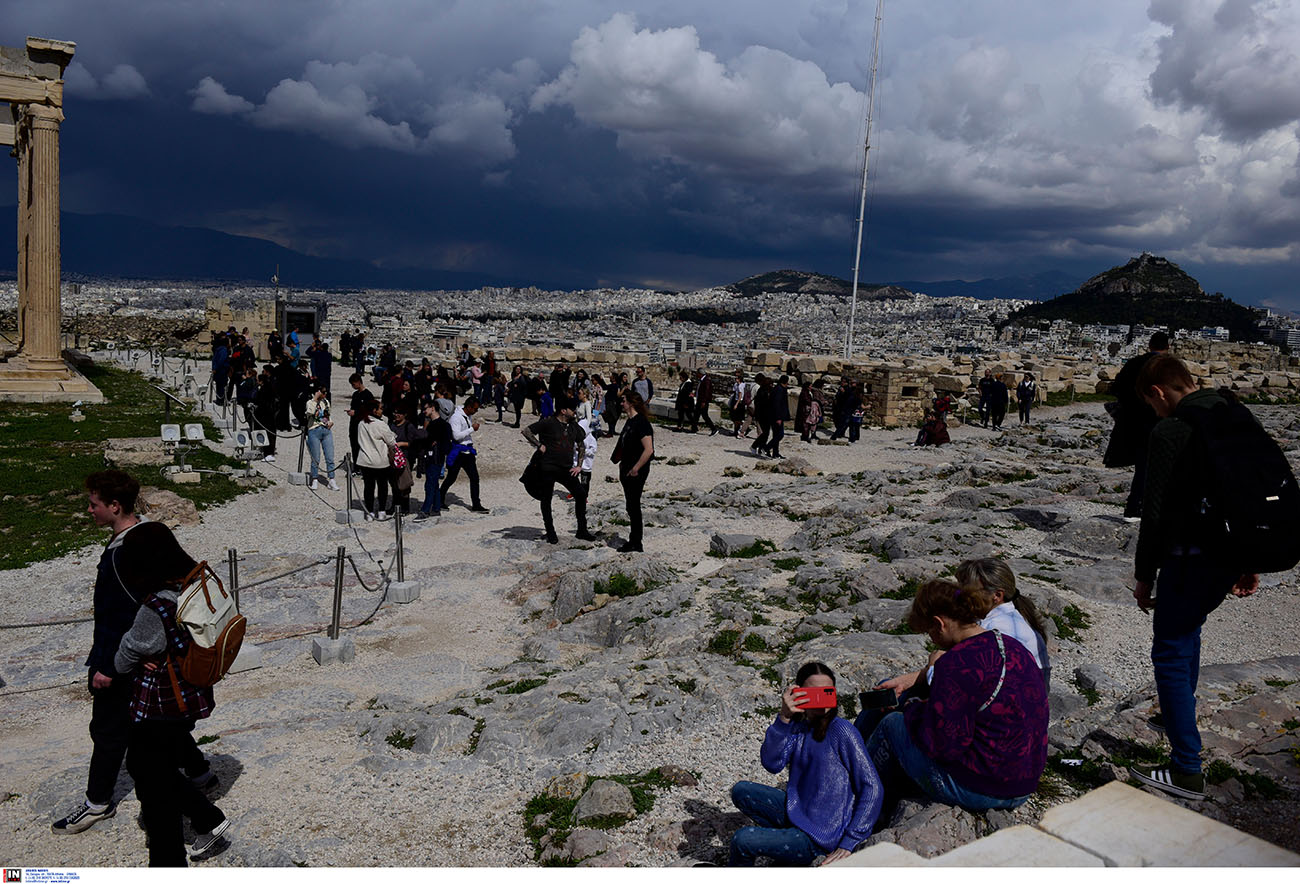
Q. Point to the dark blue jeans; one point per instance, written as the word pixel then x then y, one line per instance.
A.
pixel 1188 589
pixel 432 473
pixel 773 836
pixel 898 759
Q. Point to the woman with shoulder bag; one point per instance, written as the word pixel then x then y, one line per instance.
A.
pixel 375 441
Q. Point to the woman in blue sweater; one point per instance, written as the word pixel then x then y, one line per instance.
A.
pixel 834 794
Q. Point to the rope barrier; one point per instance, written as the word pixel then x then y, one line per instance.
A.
pixel 41 623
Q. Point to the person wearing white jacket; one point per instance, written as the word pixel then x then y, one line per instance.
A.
pixel 375 440
pixel 587 458
pixel 462 454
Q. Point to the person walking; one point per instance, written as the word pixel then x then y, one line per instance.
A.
pixel 614 401
pixel 1183 559
pixel 644 387
pixel 999 398
pixel 558 441
pixel 375 441
pixel 463 455
pixel 164 708
pixel 123 580
pixel 518 391
pixel 437 444
pixel 986 397
pixel 1026 393
pixel 633 453
pixel 685 403
pixel 320 438
pixel 360 396
pixel 703 399
pixel 762 414
pixel 779 416
pixel 738 404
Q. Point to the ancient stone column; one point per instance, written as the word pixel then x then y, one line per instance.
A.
pixel 24 202
pixel 41 342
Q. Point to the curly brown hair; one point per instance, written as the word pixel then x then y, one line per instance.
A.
pixel 943 598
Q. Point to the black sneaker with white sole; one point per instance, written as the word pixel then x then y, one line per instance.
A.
pixel 83 818
pixel 209 843
pixel 1168 779
pixel 1157 723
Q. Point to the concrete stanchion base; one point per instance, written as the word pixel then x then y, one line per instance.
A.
pixel 297 478
pixel 329 650
pixel 404 592
pixel 250 657
pixel 348 517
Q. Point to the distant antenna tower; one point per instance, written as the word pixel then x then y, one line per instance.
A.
pixel 275 281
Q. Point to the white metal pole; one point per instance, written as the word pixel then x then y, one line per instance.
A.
pixel 866 158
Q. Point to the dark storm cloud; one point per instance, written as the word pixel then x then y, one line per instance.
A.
pixel 684 143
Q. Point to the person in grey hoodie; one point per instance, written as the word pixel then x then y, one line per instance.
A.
pixel 163 712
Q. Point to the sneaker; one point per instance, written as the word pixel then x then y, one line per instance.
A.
pixel 479 508
pixel 205 845
pixel 333 486
pixel 552 538
pixel 424 517
pixel 585 535
pixel 1168 779
pixel 1132 520
pixel 383 517
pixel 83 818
pixel 630 547
pixel 270 458
pixel 314 484
pixel 366 516
pixel 1157 723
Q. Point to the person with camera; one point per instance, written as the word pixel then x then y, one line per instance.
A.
pixel 320 436
pixel 834 794
pixel 979 739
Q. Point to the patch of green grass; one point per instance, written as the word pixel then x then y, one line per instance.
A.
pixel 906 591
pixel 1089 773
pixel 1071 621
pixel 1255 784
pixel 479 725
pixel 724 642
pixel 498 684
pixel 900 629
pixel 758 620
pixel 44 457
pixel 1065 397
pixel 524 684
pixel 459 710
pixel 758 548
pixel 1291 724
pixel 755 642
pixel 1092 695
pixel 399 739
pixel 207 738
pixel 482 701
pixel 685 685
pixel 788 564
pixel 620 586
pixel 1279 682
pixel 767 711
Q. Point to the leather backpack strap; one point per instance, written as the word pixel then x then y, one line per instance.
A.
pixel 176 685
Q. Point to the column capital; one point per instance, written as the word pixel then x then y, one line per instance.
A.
pixel 43 116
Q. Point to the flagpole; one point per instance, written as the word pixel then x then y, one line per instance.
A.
pixel 866 158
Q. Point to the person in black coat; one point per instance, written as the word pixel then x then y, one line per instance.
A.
pixel 321 363
pixel 999 397
pixel 779 415
pixel 558 441
pixel 1134 421
pixel 762 413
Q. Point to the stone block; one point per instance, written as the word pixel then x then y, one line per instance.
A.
pixel 403 592
pixel 329 650
pixel 348 517
pixel 250 657
pixel 884 854
pixel 729 544
pixel 1021 846
pixel 189 477
pixel 297 478
pixel 1128 827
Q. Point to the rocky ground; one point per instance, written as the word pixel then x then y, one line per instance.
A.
pixel 567 703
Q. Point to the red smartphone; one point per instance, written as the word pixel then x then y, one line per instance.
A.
pixel 818 698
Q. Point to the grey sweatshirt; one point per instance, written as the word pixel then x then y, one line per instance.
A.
pixel 146 638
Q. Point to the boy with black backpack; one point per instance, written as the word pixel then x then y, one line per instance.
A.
pixel 1219 506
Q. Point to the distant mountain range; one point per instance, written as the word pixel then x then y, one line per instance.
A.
pixel 1032 288
pixel 1148 290
pixel 118 246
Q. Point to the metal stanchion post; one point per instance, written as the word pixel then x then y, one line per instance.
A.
pixel 401 565
pixel 302 446
pixel 338 595
pixel 232 556
pixel 347 468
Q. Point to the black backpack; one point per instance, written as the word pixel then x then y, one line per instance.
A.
pixel 1252 502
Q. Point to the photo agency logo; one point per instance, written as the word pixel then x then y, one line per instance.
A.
pixel 13 875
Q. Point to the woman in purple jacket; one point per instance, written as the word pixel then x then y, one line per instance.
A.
pixel 834 794
pixel 980 739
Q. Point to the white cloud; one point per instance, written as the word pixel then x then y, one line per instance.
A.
pixel 377 101
pixel 210 97
pixel 122 83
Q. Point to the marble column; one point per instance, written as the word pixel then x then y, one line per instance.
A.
pixel 41 340
pixel 24 199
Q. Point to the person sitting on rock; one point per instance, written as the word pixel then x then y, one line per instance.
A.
pixel 1006 610
pixel 933 432
pixel 979 741
pixel 834 793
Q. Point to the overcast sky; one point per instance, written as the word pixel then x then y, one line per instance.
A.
pixel 675 144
